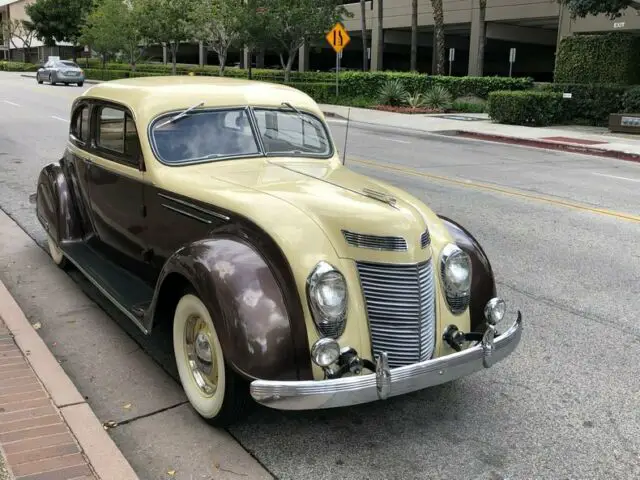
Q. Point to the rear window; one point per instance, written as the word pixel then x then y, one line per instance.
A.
pixel 204 135
pixel 68 64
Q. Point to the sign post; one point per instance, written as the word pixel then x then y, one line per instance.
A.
pixel 452 57
pixel 338 38
pixel 512 59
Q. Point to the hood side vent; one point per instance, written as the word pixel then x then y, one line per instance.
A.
pixel 425 239
pixel 394 244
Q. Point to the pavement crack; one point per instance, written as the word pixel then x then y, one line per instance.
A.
pixel 572 311
pixel 109 425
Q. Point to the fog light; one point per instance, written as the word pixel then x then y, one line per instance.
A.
pixel 325 352
pixel 494 310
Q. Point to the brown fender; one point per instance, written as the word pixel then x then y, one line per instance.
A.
pixel 483 285
pixel 54 205
pixel 259 324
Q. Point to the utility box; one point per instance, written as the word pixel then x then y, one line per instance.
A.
pixel 624 122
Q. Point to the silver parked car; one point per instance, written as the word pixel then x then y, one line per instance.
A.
pixel 60 71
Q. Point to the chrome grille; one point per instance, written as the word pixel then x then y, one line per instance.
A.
pixel 425 239
pixel 375 242
pixel 401 310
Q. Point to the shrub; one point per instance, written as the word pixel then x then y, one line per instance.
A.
pixel 416 100
pixel 590 104
pixel 393 93
pixel 525 108
pixel 17 67
pixel 631 100
pixel 605 58
pixel 438 98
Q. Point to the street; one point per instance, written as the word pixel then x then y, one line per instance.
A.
pixel 561 231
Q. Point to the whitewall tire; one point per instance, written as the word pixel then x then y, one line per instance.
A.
pixel 56 253
pixel 213 389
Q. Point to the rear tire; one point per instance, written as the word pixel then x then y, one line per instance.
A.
pixel 51 80
pixel 217 393
pixel 56 253
pixel 80 84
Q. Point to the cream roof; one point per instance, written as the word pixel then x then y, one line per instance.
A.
pixel 149 96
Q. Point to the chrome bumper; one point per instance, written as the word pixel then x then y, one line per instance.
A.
pixel 340 392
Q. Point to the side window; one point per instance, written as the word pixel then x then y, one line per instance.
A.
pixel 80 124
pixel 117 133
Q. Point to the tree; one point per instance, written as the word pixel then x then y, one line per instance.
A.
pixel 291 23
pixel 220 26
pixel 611 8
pixel 115 26
pixel 59 20
pixel 168 22
pixel 438 25
pixel 363 28
pixel 22 30
pixel 414 35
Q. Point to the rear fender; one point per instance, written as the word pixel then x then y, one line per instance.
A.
pixel 54 205
pixel 259 333
pixel 483 285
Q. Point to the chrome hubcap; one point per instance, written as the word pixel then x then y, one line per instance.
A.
pixel 200 356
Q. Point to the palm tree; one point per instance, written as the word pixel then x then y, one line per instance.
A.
pixel 414 35
pixel 438 21
pixel 363 25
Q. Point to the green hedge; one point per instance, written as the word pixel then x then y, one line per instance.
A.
pixel 631 100
pixel 533 108
pixel 589 104
pixel 612 58
pixel 17 67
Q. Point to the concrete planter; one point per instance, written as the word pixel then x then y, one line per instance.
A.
pixel 624 122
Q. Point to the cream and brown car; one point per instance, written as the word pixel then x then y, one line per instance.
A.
pixel 221 208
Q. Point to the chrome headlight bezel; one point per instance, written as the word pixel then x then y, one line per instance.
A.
pixel 457 296
pixel 329 324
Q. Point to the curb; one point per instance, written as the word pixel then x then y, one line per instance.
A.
pixel 105 458
pixel 85 80
pixel 550 145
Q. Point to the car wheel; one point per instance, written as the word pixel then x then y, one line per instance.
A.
pixel 56 253
pixel 51 80
pixel 38 79
pixel 215 391
pixel 80 84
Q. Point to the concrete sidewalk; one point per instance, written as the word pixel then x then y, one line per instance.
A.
pixel 588 140
pixel 47 430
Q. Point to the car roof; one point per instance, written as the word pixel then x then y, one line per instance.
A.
pixel 148 97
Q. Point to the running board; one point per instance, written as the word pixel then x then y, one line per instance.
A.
pixel 128 293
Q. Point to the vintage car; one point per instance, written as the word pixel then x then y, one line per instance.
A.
pixel 221 208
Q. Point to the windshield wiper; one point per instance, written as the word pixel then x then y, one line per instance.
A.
pixel 300 114
pixel 180 115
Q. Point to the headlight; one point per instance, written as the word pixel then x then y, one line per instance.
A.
pixel 455 270
pixel 327 294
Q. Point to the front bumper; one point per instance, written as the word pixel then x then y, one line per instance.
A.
pixel 341 392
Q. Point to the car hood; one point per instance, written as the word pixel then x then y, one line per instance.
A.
pixel 338 199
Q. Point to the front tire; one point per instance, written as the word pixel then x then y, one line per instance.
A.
pixel 38 79
pixel 214 390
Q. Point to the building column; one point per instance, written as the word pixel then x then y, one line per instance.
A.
pixel 375 61
pixel 202 54
pixel 564 25
pixel 474 40
pixel 303 58
pixel 434 52
pixel 164 53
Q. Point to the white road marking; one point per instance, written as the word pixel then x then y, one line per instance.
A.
pixel 60 118
pixel 11 103
pixel 615 176
pixel 393 140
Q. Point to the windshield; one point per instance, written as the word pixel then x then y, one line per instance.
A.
pixel 220 134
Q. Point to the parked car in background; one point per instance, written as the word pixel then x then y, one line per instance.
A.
pixel 60 71
pixel 221 208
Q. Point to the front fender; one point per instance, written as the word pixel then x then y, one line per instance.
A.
pixel 54 205
pixel 483 285
pixel 248 305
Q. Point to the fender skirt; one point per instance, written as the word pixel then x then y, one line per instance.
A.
pixel 483 285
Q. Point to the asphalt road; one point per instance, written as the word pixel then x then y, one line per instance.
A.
pixel 561 231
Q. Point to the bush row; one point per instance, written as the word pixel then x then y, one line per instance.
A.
pixel 535 108
pixel 17 67
pixel 611 58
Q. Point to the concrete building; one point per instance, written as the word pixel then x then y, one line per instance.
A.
pixel 532 27
pixel 13 49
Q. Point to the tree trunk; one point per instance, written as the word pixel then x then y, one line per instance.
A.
pixel 438 20
pixel 363 25
pixel 380 35
pixel 26 53
pixel 287 70
pixel 260 58
pixel 222 60
pixel 414 35
pixel 174 55
pixel 483 39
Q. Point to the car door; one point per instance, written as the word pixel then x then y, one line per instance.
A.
pixel 115 177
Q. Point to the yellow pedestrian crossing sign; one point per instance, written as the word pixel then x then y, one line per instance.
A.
pixel 338 37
